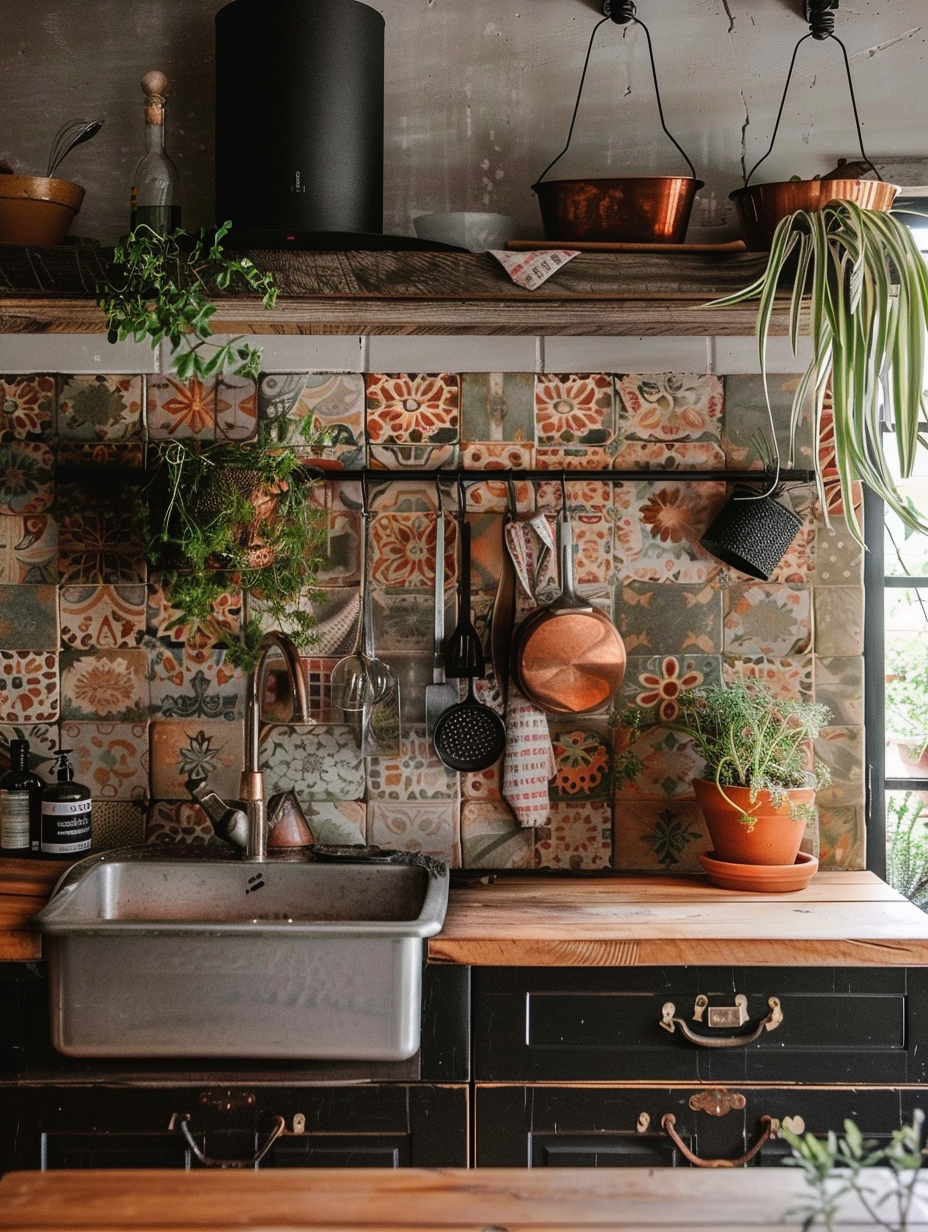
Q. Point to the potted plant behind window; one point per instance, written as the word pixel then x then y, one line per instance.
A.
pixel 757 791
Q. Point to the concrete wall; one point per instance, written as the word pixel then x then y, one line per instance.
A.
pixel 479 95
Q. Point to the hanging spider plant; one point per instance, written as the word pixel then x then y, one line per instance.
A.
pixel 866 285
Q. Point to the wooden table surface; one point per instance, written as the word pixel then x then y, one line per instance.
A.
pixel 416 1200
pixel 841 919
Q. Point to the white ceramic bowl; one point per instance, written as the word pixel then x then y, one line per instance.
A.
pixel 467 229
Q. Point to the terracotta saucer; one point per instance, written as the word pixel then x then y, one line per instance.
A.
pixel 765 878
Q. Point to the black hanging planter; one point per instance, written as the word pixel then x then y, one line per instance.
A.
pixel 752 534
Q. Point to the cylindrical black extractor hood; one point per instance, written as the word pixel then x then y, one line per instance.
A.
pixel 299 120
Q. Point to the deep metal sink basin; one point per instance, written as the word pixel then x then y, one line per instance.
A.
pixel 158 956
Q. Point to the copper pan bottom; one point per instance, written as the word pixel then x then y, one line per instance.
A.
pixel 570 662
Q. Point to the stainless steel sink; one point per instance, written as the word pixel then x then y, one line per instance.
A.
pixel 154 955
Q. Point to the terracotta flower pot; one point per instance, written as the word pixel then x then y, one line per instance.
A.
pixel 774 837
pixel 36 210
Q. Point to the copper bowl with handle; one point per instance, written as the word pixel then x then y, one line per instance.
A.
pixel 644 209
pixel 762 206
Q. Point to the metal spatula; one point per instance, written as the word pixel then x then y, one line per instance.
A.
pixel 441 694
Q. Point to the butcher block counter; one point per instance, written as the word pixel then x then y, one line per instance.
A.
pixel 416 1200
pixel 841 919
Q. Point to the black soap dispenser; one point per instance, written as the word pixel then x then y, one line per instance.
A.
pixel 66 812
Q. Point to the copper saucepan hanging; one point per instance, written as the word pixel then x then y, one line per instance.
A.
pixel 568 658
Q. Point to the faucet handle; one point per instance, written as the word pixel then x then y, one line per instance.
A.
pixel 229 822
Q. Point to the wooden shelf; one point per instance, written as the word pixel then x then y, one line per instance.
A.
pixel 50 290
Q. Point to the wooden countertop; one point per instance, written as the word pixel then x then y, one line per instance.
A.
pixel 24 889
pixel 841 919
pixel 415 1200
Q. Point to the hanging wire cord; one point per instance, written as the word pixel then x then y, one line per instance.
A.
pixel 620 12
pixel 821 27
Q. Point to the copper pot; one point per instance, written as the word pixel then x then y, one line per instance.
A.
pixel 762 206
pixel 645 209
pixel 36 210
pixel 568 658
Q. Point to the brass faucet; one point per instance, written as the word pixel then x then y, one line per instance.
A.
pixel 246 819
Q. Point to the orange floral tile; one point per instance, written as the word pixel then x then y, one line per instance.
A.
pixel 576 836
pixel 111 758
pixel 181 409
pixel 402 551
pixel 27 406
pixel 671 406
pixel 657 531
pixel 413 408
pixel 583 755
pixel 574 409
pixel 102 617
pixel 29 688
pixel 105 684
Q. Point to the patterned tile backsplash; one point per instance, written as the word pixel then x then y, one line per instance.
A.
pixel 92 655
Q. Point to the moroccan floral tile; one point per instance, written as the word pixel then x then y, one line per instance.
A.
pixel 842 751
pixel 102 617
pixel 305 406
pixel 573 458
pixel 574 409
pixel 181 409
pixel 493 496
pixel 43 744
pixel 668 764
pixel 28 618
pixel 495 456
pixel 27 407
pixel 583 755
pixel 202 687
pixel 338 822
pixel 413 457
pixel 766 619
pixel 839 558
pixel 839 620
pixel 236 408
pixel 593 548
pixel 319 763
pixel 670 406
pixel 483 784
pixel 27 477
pixel 842 837
pixel 576 836
pixel 790 679
pixel 657 531
pixel 183 749
pixel 28 549
pixel 396 495
pixel 653 617
pixel 171 822
pixel 168 624
pixel 411 408
pixel 669 456
pixel 29 687
pixel 402 551
pixel 654 683
pixel 492 838
pixel 110 758
pixel 417 774
pixel 498 407
pixel 839 685
pixel 105 684
pixel 95 407
pixel 99 541
pixel 432 828
pixel 110 455
pixel 658 836
pixel 404 620
pixel 583 495
pixel 746 436
pixel 118 823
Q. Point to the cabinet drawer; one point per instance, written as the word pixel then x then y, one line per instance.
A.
pixel 564 1126
pixel 835 1025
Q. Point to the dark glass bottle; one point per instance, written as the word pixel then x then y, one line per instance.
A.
pixel 66 813
pixel 20 804
pixel 155 201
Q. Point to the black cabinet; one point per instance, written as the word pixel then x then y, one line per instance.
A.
pixel 368 1125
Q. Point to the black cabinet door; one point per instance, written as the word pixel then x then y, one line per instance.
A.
pixel 858 1025
pixel 372 1125
pixel 544 1126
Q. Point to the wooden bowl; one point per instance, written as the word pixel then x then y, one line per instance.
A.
pixel 36 210
pixel 763 878
pixel 762 206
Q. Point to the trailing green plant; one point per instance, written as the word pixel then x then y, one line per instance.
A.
pixel 160 287
pixel 907 847
pixel 236 516
pixel 865 283
pixel 749 738
pixel 835 1168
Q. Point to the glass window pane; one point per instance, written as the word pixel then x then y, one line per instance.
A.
pixel 907 844
pixel 906 553
pixel 906 713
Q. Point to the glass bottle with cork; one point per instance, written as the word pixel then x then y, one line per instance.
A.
pixel 20 804
pixel 67 812
pixel 155 201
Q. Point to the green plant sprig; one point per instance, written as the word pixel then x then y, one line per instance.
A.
pixel 865 283
pixel 160 288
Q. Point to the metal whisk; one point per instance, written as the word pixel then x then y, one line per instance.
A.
pixel 72 133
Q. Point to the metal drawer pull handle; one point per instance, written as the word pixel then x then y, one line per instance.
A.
pixel 280 1126
pixel 668 1121
pixel 669 1022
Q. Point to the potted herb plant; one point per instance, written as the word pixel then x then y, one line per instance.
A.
pixel 857 276
pixel 758 788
